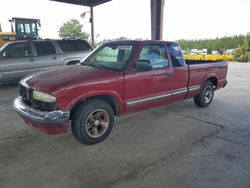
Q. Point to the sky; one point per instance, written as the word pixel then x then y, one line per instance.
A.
pixel 183 19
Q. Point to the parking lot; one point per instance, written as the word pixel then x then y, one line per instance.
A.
pixel 178 145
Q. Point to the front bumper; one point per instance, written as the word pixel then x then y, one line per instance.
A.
pixel 54 122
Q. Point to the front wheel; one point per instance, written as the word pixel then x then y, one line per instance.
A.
pixel 92 121
pixel 205 96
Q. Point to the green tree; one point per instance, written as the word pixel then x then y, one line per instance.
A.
pixel 241 52
pixel 216 44
pixel 109 40
pixel 72 29
pixel 245 45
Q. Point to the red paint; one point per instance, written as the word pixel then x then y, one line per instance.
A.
pixel 48 129
pixel 77 83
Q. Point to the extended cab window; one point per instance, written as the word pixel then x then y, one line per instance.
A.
pixel 45 48
pixel 155 54
pixel 176 55
pixel 74 45
pixel 111 56
pixel 19 50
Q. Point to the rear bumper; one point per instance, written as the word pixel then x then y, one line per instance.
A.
pixel 221 84
pixel 54 122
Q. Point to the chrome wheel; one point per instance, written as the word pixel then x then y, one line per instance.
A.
pixel 97 123
pixel 208 95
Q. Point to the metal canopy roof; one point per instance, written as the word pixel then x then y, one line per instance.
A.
pixel 88 3
pixel 156 15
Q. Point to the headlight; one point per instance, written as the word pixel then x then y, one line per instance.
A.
pixel 44 97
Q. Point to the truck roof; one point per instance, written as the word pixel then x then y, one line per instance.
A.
pixel 139 41
pixel 42 40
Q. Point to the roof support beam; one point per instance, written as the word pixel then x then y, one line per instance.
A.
pixel 84 2
pixel 91 20
pixel 157 19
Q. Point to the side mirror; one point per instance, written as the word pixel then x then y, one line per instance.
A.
pixel 143 65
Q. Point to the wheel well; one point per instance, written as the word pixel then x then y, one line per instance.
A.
pixel 214 81
pixel 107 98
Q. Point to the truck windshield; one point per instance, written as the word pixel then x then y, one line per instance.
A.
pixel 111 56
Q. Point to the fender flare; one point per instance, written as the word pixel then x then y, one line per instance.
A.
pixel 88 95
pixel 211 75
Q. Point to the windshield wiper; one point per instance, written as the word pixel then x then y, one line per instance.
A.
pixel 95 65
pixel 91 65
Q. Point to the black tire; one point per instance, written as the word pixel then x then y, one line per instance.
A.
pixel 87 123
pixel 205 96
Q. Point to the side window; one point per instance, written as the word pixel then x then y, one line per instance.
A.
pixel 156 55
pixel 27 28
pixel 20 28
pixel 176 55
pixel 19 50
pixel 74 45
pixel 45 48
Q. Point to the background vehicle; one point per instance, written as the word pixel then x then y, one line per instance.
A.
pixel 21 29
pixel 118 78
pixel 20 58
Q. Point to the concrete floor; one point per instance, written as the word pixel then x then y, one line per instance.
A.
pixel 178 145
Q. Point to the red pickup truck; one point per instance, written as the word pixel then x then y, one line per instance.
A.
pixel 117 78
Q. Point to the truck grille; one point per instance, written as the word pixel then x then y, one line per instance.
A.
pixel 26 95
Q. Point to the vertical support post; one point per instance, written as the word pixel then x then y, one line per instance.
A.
pixel 92 26
pixel 157 19
pixel 11 24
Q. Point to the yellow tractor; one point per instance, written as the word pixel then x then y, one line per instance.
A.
pixel 21 29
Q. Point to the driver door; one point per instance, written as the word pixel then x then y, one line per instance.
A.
pixel 145 89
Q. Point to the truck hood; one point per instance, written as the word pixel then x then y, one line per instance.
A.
pixel 69 76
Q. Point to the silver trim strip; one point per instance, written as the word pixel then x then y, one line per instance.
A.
pixel 193 88
pixel 150 99
pixel 180 92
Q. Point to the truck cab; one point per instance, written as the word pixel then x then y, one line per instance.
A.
pixel 117 78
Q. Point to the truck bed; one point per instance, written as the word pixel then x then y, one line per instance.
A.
pixel 199 71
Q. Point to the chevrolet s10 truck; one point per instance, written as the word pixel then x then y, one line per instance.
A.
pixel 117 78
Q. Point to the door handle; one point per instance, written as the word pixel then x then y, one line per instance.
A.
pixel 54 57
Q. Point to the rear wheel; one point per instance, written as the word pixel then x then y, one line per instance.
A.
pixel 92 121
pixel 205 96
